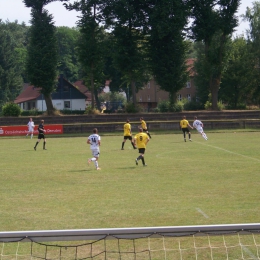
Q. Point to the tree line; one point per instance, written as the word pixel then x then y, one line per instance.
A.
pixel 130 41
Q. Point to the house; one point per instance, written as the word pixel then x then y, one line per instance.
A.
pixel 66 96
pixel 151 94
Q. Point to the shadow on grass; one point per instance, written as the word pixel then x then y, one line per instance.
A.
pixel 83 170
pixel 124 168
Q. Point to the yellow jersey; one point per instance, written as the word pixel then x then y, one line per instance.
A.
pixel 127 129
pixel 141 140
pixel 184 123
pixel 143 124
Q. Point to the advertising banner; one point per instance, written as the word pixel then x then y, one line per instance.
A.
pixel 23 130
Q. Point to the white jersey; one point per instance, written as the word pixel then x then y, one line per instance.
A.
pixel 30 125
pixel 94 141
pixel 198 125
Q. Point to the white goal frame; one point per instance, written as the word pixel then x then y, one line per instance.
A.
pixel 129 233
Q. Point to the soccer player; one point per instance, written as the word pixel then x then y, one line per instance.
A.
pixel 41 135
pixel 199 126
pixel 127 134
pixel 141 139
pixel 30 128
pixel 184 124
pixel 95 141
pixel 144 126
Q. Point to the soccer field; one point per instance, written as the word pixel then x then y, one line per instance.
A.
pixel 193 183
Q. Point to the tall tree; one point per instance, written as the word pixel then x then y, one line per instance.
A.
pixel 239 78
pixel 214 22
pixel 90 45
pixel 68 63
pixel 252 15
pixel 10 66
pixel 168 48
pixel 42 51
pixel 127 19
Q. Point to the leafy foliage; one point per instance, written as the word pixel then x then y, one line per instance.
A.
pixel 42 51
pixel 11 109
pixel 132 108
pixel 68 63
pixel 167 46
pixel 214 22
pixel 11 66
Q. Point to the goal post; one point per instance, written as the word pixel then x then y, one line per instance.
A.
pixel 229 241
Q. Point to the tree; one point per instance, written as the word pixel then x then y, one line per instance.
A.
pixel 236 86
pixel 90 46
pixel 252 15
pixel 42 51
pixel 168 50
pixel 129 53
pixel 10 66
pixel 68 64
pixel 214 21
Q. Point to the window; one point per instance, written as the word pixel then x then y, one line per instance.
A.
pixel 66 104
pixel 148 98
pixel 189 97
pixel 148 85
pixel 140 99
pixel 179 97
pixel 188 84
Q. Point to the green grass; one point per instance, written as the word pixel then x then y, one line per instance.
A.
pixel 193 183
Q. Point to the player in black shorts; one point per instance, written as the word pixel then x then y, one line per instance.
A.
pixel 41 135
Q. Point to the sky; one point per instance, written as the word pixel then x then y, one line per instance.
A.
pixel 15 10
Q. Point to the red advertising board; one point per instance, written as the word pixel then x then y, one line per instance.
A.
pixel 22 130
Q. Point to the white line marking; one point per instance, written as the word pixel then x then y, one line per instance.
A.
pixel 249 252
pixel 202 213
pixel 219 148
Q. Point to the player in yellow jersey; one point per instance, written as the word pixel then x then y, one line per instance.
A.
pixel 184 124
pixel 140 140
pixel 127 134
pixel 144 126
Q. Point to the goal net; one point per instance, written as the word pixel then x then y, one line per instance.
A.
pixel 236 242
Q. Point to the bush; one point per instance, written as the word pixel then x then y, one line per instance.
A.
pixel 176 107
pixel 31 113
pixel 72 112
pixel 192 105
pixel 11 109
pixel 163 106
pixel 132 108
pixel 90 111
pixel 240 106
pixel 208 105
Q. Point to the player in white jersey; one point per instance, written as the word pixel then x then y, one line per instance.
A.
pixel 94 140
pixel 30 128
pixel 199 126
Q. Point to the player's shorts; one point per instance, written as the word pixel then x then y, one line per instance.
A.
pixel 31 129
pixel 145 129
pixel 141 150
pixel 41 136
pixel 200 130
pixel 185 129
pixel 128 137
pixel 95 152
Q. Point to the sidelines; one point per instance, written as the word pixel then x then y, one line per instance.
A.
pixel 202 213
pixel 219 148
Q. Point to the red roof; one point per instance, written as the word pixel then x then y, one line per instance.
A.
pixel 29 93
pixel 190 64
pixel 83 89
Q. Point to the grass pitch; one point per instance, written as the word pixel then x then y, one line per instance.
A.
pixel 193 183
